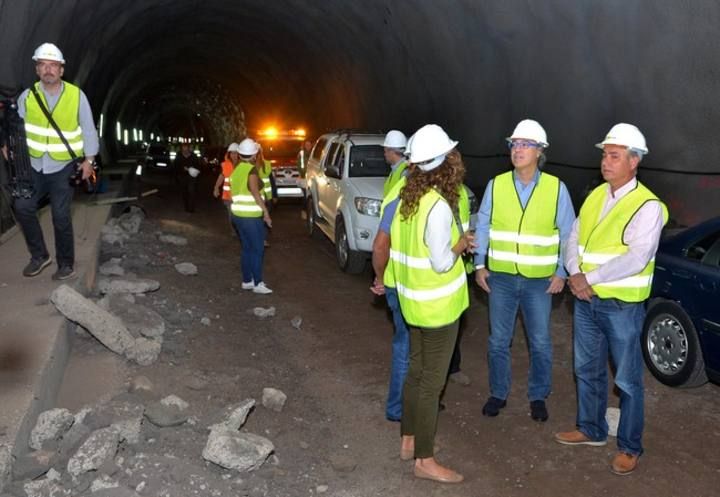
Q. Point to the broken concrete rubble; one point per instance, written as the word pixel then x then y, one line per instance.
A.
pixel 125 417
pixel 50 425
pixel 274 399
pixel 173 239
pixel 137 318
pixel 112 267
pixel 128 284
pixel 164 416
pixel 99 448
pixel 186 268
pixel 235 450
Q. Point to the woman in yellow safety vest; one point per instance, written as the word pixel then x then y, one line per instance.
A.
pixel 425 248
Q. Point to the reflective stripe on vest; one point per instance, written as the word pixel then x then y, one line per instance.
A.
pixel 42 137
pixel 243 203
pixel 394 177
pixel 600 241
pixel 227 170
pixel 524 241
pixel 427 299
pixel 264 174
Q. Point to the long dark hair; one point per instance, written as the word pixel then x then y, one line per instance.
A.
pixel 445 179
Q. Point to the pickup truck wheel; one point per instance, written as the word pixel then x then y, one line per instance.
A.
pixel 310 221
pixel 671 347
pixel 350 261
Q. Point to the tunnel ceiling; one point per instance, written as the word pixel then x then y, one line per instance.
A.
pixel 474 66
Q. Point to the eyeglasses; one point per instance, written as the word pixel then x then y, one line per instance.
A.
pixel 522 144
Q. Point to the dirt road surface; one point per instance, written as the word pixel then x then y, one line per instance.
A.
pixel 332 438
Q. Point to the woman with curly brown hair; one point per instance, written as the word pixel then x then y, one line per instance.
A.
pixel 426 244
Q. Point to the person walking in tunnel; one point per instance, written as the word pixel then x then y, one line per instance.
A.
pixel 232 158
pixel 269 190
pixel 303 156
pixel 188 164
pixel 51 158
pixel 525 218
pixel 611 258
pixel 249 214
pixel 426 245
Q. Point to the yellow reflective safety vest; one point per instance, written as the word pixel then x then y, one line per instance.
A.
pixel 427 299
pixel 42 137
pixel 264 174
pixel 602 240
pixel 243 203
pixel 464 213
pixel 524 241
pixel 394 177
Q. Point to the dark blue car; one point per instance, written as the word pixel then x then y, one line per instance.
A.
pixel 681 336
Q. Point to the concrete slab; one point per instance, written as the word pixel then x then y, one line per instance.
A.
pixel 34 337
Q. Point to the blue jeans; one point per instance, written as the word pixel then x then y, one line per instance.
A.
pixel 252 236
pixel 400 357
pixel 508 293
pixel 611 326
pixel 57 187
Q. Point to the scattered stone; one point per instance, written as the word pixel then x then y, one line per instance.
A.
pixel 174 400
pixel 73 438
pixel 234 450
pixel 205 321
pixel 125 417
pixel 130 221
pixel 126 285
pixel 173 239
pixel 140 384
pixel 296 322
pixel 34 464
pixel 100 323
pixel 113 234
pixel 115 492
pixel 196 382
pixel 144 351
pixel 263 313
pixel 186 268
pixel 100 447
pixel 234 416
pixel 612 417
pixel 342 462
pixel 45 488
pixel 164 416
pixel 137 318
pixel 103 482
pixel 460 378
pixel 304 445
pixel 112 267
pixel 5 466
pixel 321 489
pixel 274 399
pixel 51 425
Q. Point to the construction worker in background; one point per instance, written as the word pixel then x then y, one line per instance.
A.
pixel 232 157
pixel 264 170
pixel 51 159
pixel 525 218
pixel 186 161
pixel 303 156
pixel 394 149
pixel 425 259
pixel 249 214
pixel 611 258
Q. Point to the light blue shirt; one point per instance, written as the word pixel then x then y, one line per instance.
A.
pixel 564 219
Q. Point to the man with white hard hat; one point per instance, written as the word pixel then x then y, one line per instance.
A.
pixel 525 217
pixel 394 148
pixel 51 160
pixel 611 257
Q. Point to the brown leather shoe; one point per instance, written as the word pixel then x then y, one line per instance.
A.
pixel 577 437
pixel 624 463
pixel 453 477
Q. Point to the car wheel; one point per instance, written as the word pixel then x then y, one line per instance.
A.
pixel 310 219
pixel 671 347
pixel 350 261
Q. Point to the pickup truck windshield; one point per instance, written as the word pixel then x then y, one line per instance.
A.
pixel 368 161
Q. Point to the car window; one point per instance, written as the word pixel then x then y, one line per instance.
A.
pixel 339 160
pixel 368 161
pixel 331 154
pixel 698 250
pixel 318 149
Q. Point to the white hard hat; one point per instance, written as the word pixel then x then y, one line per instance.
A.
pixel 395 139
pixel 428 143
pixel 529 129
pixel 248 147
pixel 626 135
pixel 193 171
pixel 48 51
pixel 233 147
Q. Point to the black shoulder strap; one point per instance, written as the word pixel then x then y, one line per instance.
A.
pixel 52 122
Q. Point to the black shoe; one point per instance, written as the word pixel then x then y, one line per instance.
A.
pixel 538 411
pixel 63 273
pixel 35 267
pixel 492 407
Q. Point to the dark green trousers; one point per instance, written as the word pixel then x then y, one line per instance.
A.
pixel 430 353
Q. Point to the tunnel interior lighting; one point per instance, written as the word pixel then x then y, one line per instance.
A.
pixel 125 137
pixel 118 131
pixel 140 135
pixel 135 134
pixel 100 126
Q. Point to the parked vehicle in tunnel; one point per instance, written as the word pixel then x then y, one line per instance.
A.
pixel 157 156
pixel 281 150
pixel 344 185
pixel 681 335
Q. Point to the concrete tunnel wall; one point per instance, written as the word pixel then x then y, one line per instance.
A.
pixel 474 66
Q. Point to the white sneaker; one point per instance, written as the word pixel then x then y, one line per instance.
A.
pixel 248 286
pixel 262 289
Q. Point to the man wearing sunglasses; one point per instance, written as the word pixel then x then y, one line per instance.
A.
pixel 525 217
